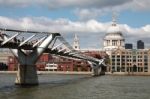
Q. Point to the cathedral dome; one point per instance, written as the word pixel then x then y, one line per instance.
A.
pixel 114 38
pixel 113 29
pixel 114 33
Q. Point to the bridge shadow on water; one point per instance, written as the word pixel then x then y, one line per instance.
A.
pixel 63 81
pixel 45 80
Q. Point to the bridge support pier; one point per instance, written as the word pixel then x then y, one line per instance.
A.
pixel 26 75
pixel 96 71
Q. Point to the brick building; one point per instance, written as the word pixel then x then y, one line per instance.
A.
pixel 64 64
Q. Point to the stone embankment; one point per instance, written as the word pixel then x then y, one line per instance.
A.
pixel 83 73
pixel 49 72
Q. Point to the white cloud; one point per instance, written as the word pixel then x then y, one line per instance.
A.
pixel 146 28
pixel 85 14
pixel 90 30
pixel 65 25
pixel 45 24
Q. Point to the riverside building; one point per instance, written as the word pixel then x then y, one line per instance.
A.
pixel 130 60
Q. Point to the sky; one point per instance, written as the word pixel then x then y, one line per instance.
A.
pixel 89 19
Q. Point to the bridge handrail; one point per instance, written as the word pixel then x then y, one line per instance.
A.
pixel 23 31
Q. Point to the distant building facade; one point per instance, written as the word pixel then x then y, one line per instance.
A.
pixel 4 54
pixel 128 46
pixel 140 44
pixel 129 60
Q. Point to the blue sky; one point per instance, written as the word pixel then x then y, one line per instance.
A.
pixel 132 18
pixel 89 19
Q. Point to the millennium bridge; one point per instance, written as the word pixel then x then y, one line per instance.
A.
pixel 28 46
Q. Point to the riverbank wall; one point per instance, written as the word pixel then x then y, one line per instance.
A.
pixel 130 73
pixel 83 73
pixel 51 72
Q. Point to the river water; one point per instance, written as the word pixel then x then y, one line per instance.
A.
pixel 77 87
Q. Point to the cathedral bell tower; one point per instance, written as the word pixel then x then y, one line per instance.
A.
pixel 76 45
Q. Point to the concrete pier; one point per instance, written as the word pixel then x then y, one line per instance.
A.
pixel 96 71
pixel 26 75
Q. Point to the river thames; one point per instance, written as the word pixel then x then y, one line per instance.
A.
pixel 55 86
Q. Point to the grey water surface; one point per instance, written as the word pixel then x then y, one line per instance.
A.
pixel 54 86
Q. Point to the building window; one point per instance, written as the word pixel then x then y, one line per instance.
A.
pixel 113 56
pixel 145 57
pixel 123 63
pixel 120 43
pixel 145 53
pixel 145 69
pixel 113 63
pixel 114 42
pixel 123 56
pixel 113 68
pixel 145 64
pixel 134 57
pixel 108 43
pixel 127 60
pixel 140 56
pixel 118 59
pixel 123 60
pixel 118 69
pixel 113 60
pixel 118 64
pixel 123 69
pixel 118 56
pixel 145 60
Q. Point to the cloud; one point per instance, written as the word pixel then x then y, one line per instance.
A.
pixel 85 14
pixel 51 4
pixel 89 31
pixel 84 9
pixel 46 24
pixel 140 5
pixel 85 3
pixel 146 28
pixel 94 12
pixel 15 3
